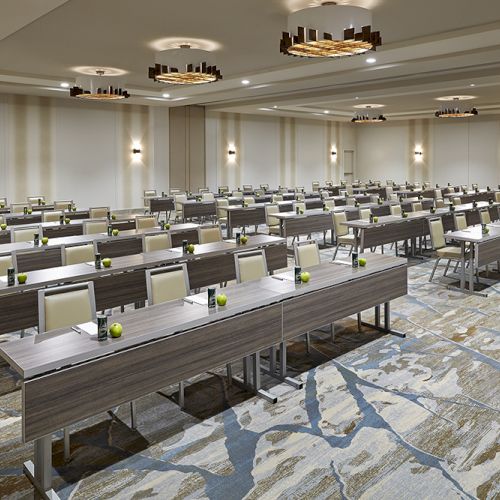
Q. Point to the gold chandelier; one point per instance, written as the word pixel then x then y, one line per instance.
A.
pixel 455 111
pixel 185 66
pixel 368 116
pixel 98 88
pixel 316 28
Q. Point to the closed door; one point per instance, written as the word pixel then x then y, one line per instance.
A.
pixel 348 173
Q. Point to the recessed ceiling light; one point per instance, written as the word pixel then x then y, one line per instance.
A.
pixel 356 98
pixel 326 112
pixel 456 98
pixel 166 96
pixel 265 109
pixel 245 82
pixel 369 106
pixel 64 85
pixel 275 107
pixel 472 85
pixel 371 60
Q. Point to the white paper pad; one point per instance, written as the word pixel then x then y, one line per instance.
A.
pixel 197 299
pixel 90 327
pixel 284 277
pixel 342 262
pixel 3 279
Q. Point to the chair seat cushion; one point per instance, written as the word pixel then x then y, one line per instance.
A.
pixel 274 230
pixel 347 239
pixel 449 253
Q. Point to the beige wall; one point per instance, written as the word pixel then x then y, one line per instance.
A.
pixel 274 150
pixel 72 149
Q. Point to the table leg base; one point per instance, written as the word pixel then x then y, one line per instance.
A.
pixel 384 330
pixel 259 392
pixel 466 291
pixel 29 471
pixel 296 384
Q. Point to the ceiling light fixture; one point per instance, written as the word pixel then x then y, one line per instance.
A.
pixel 329 30
pixel 371 60
pixel 369 116
pixel 166 96
pixel 65 85
pixel 98 88
pixel 456 110
pixel 245 82
pixel 326 112
pixel 184 66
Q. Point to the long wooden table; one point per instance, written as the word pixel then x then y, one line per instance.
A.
pixel 125 282
pixel 198 209
pixel 171 342
pixel 36 217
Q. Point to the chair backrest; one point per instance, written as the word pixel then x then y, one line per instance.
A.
pixel 6 261
pixel 427 184
pixel 237 194
pixel 395 209
pixel 417 206
pixel 439 203
pixel 98 212
pixel 299 189
pixel 23 234
pixel 301 205
pixel 351 201
pixel 306 253
pixel 179 199
pixel 315 185
pixel 51 216
pixel 329 183
pixel 457 200
pixel 249 200
pixel 175 191
pixel 485 216
pixel 149 193
pixel 437 233
pixel 247 187
pixel 65 306
pixel 62 204
pixel 389 182
pixel 300 196
pixel 77 254
pixel 265 187
pixel 349 189
pixel 208 196
pixel 3 202
pixel 460 221
pixel 338 218
pixel 209 234
pixel 145 221
pixel 389 191
pixel 393 197
pixel 438 193
pixel 277 197
pixel 18 208
pixel 330 204
pixel 221 202
pixel 270 220
pixel 203 190
pixel 223 189
pixel 33 200
pixel 95 226
pixel 154 242
pixel 497 196
pixel 324 194
pixel 365 213
pixel 167 283
pixel 250 265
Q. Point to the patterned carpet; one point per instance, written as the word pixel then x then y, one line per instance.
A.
pixel 379 417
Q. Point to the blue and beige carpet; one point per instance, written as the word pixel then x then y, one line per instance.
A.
pixel 379 417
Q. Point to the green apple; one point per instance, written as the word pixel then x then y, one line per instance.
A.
pixel 43 203
pixel 221 299
pixel 21 278
pixel 243 240
pixel 190 248
pixel 115 232
pixel 113 217
pixel 67 221
pixel 45 240
pixel 362 262
pixel 106 262
pixel 433 210
pixel 305 277
pixel 404 215
pixel 375 218
pixel 115 330
pixel 2 205
pixel 3 226
pixel 30 211
pixel 74 209
pixel 166 226
pixel 301 212
pixel 486 230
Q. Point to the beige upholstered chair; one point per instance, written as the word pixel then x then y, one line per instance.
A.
pixel 18 208
pixel 62 204
pixel 342 232
pixel 301 205
pixel 167 283
pixel 223 189
pixel 300 196
pixel 272 222
pixel 277 197
pixel 247 187
pixel 364 213
pixel 221 213
pixel 457 200
pixel 98 212
pixel 350 201
pixel 299 189
pixel 249 200
pixel 51 216
pixel 95 226
pixel 203 190
pixel 250 265
pixel 439 203
pixel 315 185
pixel 395 209
pixel 324 194
pixel 349 189
pixel 23 234
pixel 330 204
pixel 208 197
pixel 209 234
pixel 3 202
pixel 485 216
pixel 306 254
pixel 6 261
pixel 460 221
pixel 497 196
pixel 389 182
pixel 33 200
pixel 145 222
pixel 237 194
pixel 427 185
pixel 438 194
pixel 77 254
pixel 265 187
pixel 439 245
pixel 179 199
pixel 416 206
pixel 174 191
pixel 154 242
pixel 393 197
pixel 329 183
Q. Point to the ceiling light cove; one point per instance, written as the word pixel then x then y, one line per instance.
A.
pixel 369 106
pixel 456 98
pixel 176 42
pixel 92 70
pixel 329 30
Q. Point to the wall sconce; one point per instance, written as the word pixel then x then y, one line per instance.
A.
pixel 136 151
pixel 231 152
pixel 418 153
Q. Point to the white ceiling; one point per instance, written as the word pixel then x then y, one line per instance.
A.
pixel 430 48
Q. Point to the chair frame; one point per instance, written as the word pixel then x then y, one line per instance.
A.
pixel 13 229
pixel 251 253
pixel 142 217
pixel 209 226
pixel 88 222
pixel 298 244
pixel 165 269
pixel 145 235
pixel 108 211
pixel 63 248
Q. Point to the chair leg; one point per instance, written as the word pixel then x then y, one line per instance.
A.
pixel 181 394
pixel 133 415
pixel 332 332
pixel 335 253
pixel 447 267
pixel 229 371
pixel 308 343
pixel 67 450
pixel 434 269
pixel 350 251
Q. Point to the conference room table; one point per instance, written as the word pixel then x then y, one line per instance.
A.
pixel 29 258
pixel 125 282
pixel 193 209
pixel 394 228
pixel 167 343
pixel 470 196
pixel 159 204
pixel 479 248
pixel 18 219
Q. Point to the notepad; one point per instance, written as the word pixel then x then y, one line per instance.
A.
pixel 284 277
pixel 3 279
pixel 89 327
pixel 197 299
pixel 342 262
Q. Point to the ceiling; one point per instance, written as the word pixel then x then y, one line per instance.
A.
pixel 430 48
